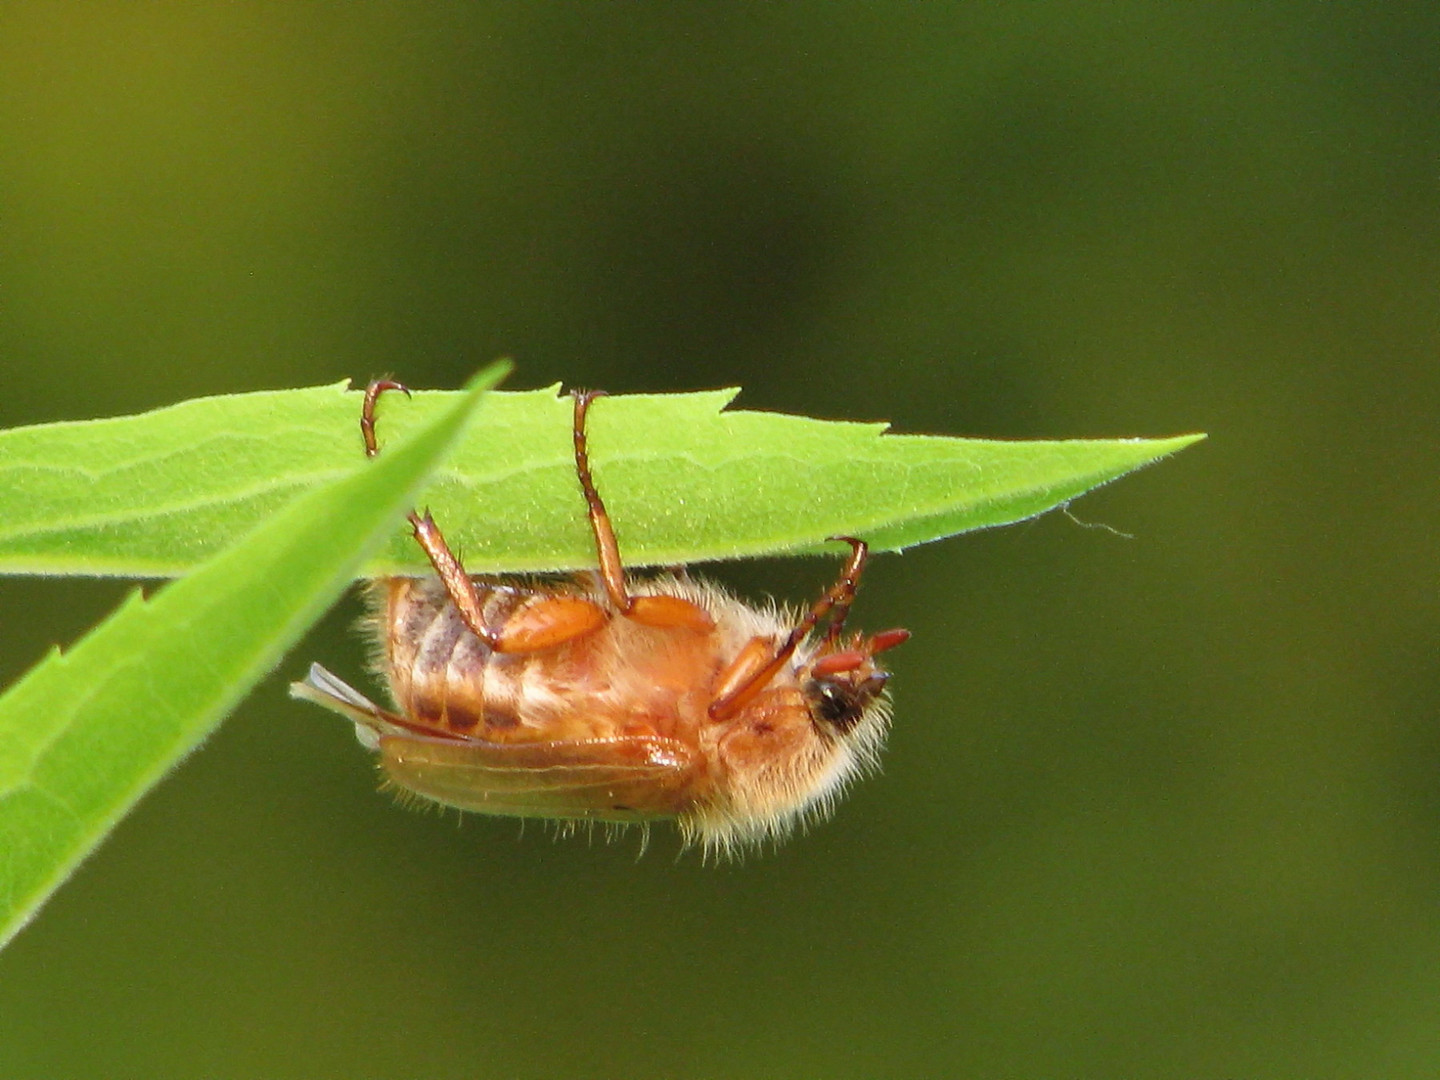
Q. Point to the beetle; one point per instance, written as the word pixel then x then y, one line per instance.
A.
pixel 613 697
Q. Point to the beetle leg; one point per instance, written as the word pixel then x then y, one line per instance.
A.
pixel 541 624
pixel 458 585
pixel 367 411
pixel 657 611
pixel 548 620
pixel 757 663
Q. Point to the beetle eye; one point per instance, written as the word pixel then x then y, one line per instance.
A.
pixel 835 703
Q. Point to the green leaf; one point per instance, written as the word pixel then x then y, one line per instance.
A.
pixel 157 494
pixel 85 733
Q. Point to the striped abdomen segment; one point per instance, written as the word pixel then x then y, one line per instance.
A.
pixel 444 676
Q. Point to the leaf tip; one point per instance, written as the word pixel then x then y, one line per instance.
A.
pixel 1177 443
pixel 490 375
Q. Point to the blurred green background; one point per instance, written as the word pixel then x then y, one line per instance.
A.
pixel 1166 806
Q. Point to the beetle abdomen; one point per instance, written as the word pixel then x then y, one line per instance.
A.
pixel 444 676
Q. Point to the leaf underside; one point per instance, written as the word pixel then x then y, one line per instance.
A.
pixel 685 480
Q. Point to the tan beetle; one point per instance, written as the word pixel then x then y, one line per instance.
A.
pixel 612 698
